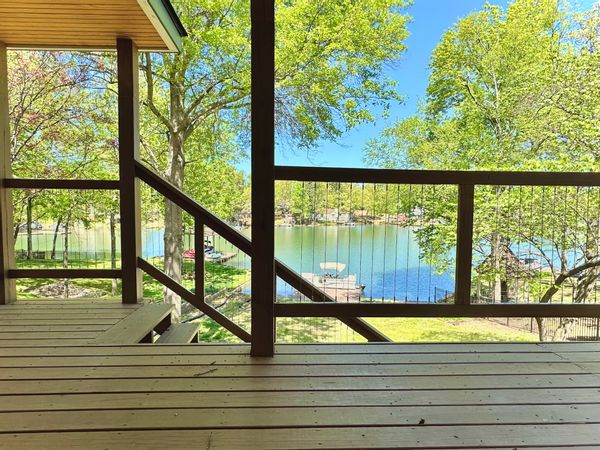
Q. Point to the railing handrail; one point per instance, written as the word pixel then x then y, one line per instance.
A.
pixel 439 177
pixel 236 238
pixel 466 181
pixel 62 183
pixel 64 273
pixel 181 199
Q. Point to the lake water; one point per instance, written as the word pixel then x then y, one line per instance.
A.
pixel 385 258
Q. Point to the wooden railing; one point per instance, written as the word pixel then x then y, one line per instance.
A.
pixel 466 182
pixel 128 98
pixel 265 267
pixel 130 174
pixel 204 218
pixel 61 184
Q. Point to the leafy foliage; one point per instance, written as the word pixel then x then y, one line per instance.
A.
pixel 513 89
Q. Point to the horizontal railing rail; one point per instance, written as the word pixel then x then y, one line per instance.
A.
pixel 466 181
pixel 444 177
pixel 64 273
pixel 204 217
pixel 35 183
pixel 435 310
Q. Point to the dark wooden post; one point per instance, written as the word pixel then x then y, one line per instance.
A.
pixel 263 183
pixel 464 244
pixel 8 292
pixel 131 238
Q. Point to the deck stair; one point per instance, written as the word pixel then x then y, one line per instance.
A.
pixel 179 333
pixel 138 326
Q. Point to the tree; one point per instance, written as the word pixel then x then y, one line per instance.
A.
pixel 42 87
pixel 513 89
pixel 329 72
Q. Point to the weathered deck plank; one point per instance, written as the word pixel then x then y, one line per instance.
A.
pixel 505 436
pixel 318 359
pixel 299 384
pixel 330 398
pixel 304 370
pixel 324 349
pixel 297 417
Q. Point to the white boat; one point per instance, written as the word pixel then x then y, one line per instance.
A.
pixel 331 278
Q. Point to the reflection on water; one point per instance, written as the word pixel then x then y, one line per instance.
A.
pixel 385 258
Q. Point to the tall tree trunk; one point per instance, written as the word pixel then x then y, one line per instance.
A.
pixel 66 255
pixel 174 223
pixel 55 237
pixel 113 249
pixel 29 227
pixel 540 325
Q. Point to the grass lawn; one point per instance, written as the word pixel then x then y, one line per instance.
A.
pixel 447 330
pixel 401 330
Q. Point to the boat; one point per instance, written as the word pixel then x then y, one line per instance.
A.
pixel 210 254
pixel 336 285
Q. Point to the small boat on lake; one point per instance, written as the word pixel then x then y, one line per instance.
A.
pixel 210 254
pixel 340 287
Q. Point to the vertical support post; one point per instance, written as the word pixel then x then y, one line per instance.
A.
pixel 464 244
pixel 263 182
pixel 8 291
pixel 129 188
pixel 199 260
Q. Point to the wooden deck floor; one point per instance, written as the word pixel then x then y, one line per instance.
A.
pixel 59 322
pixel 57 393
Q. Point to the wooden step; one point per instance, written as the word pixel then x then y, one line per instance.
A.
pixel 136 326
pixel 179 333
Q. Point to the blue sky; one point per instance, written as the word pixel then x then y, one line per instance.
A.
pixel 431 18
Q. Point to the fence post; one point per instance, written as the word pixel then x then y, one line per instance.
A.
pixel 8 291
pixel 263 180
pixel 129 190
pixel 464 244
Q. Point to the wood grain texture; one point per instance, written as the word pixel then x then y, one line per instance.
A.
pixel 62 322
pixel 305 396
pixel 262 14
pixel 129 186
pixel 496 436
pixel 179 333
pixel 133 328
pixel 76 24
pixel 8 293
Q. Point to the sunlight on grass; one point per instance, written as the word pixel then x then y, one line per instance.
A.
pixel 447 330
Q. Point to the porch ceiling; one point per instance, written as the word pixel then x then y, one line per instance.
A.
pixel 89 24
